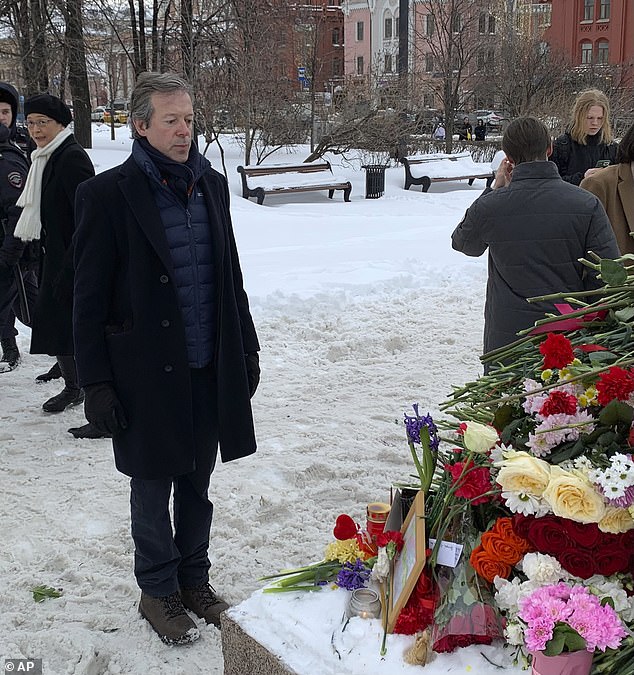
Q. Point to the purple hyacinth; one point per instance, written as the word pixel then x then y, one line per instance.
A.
pixel 352 576
pixel 413 425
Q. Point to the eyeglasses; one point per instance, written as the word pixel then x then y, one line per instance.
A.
pixel 37 123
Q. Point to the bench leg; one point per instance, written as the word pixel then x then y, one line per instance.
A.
pixel 330 193
pixel 346 194
pixel 259 195
pixel 471 181
pixel 426 183
pixel 490 180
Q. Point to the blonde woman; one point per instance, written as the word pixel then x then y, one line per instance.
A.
pixel 587 144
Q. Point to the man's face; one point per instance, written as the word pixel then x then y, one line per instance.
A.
pixel 6 114
pixel 170 128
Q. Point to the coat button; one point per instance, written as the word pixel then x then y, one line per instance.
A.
pixel 165 323
pixel 164 278
pixel 168 368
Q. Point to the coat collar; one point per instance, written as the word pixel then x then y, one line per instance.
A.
pixel 625 188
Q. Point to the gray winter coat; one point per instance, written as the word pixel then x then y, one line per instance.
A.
pixel 536 229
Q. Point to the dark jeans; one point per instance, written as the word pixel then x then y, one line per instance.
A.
pixel 10 302
pixel 165 558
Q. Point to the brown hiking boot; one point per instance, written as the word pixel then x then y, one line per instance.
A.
pixel 169 619
pixel 203 601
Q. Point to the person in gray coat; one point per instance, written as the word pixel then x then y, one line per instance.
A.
pixel 536 227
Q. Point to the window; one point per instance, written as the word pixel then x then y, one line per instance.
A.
pixel 429 62
pixel 337 69
pixel 428 100
pixel 604 9
pixel 359 65
pixel 387 28
pixel 359 31
pixel 588 10
pixel 456 22
pixel 430 24
pixel 387 63
pixel 491 24
pixel 603 52
pixel 335 36
pixel 586 53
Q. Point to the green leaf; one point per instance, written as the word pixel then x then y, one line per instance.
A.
pixel 555 645
pixel 615 412
pixel 503 416
pixel 40 593
pixel 625 314
pixel 574 641
pixel 613 273
pixel 601 357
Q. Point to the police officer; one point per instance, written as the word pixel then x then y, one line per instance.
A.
pixel 18 261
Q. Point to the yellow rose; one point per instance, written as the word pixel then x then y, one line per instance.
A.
pixel 479 437
pixel 523 473
pixel 572 496
pixel 616 520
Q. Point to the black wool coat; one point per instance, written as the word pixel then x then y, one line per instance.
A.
pixel 129 329
pixel 52 329
pixel 536 229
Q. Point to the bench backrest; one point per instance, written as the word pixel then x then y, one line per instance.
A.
pixel 271 169
pixel 417 159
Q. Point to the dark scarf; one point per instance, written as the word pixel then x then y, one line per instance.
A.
pixel 179 177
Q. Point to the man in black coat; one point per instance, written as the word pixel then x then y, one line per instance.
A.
pixel 536 227
pixel 166 348
pixel 18 261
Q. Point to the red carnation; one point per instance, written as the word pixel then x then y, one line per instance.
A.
pixel 470 483
pixel 557 351
pixel 559 402
pixel 385 538
pixel 615 384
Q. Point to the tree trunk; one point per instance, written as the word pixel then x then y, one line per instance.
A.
pixel 77 75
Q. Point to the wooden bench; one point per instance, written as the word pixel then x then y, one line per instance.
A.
pixel 438 168
pixel 268 179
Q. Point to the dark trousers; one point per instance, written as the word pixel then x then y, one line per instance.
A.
pixel 10 303
pixel 168 556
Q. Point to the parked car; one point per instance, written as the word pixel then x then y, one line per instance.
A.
pixel 120 113
pixel 493 120
pixel 97 114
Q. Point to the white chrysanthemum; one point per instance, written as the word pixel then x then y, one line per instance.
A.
pixel 542 568
pixel 527 505
pixel 613 589
pixel 507 594
pixel 514 633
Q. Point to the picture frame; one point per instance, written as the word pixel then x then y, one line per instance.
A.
pixel 409 563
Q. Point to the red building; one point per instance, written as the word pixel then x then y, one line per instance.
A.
pixel 593 31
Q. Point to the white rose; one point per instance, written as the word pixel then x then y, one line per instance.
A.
pixel 479 438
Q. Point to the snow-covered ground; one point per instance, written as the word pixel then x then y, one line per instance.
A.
pixel 362 309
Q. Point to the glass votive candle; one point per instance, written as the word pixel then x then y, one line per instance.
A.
pixel 364 603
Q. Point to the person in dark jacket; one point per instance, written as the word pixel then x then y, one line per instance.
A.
pixel 614 186
pixel 587 145
pixel 465 133
pixel 58 165
pixel 480 131
pixel 166 349
pixel 536 227
pixel 18 279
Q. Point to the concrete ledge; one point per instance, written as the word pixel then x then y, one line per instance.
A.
pixel 245 656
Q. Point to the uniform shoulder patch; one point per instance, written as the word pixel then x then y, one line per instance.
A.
pixel 16 179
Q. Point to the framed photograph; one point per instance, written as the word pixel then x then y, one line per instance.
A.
pixel 409 563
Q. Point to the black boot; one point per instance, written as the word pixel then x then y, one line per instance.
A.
pixel 53 374
pixel 71 394
pixel 88 431
pixel 10 354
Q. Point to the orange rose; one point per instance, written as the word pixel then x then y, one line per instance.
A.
pixel 499 549
pixel 488 568
pixel 504 527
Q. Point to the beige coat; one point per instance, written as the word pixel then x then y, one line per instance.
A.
pixel 614 186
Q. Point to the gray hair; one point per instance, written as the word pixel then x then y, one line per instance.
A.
pixel 141 108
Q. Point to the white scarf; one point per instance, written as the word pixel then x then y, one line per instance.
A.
pixel 29 224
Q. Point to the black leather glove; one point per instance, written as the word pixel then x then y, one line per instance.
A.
pixel 103 409
pixel 252 361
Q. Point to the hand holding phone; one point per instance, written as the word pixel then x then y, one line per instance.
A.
pixel 602 163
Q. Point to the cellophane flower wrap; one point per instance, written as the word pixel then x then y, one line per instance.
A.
pixel 562 401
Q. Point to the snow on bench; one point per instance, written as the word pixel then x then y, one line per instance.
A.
pixel 433 168
pixel 258 181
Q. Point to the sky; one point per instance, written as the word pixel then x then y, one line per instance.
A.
pixel 362 309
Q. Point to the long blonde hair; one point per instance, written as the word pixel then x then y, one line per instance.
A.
pixel 583 103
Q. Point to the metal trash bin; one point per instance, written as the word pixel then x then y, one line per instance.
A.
pixel 374 180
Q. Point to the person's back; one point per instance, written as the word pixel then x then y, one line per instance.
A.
pixel 536 227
